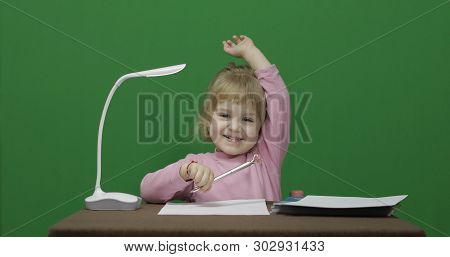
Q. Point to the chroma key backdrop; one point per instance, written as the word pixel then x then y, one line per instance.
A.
pixel 369 85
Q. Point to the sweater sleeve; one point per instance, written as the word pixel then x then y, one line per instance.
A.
pixel 274 139
pixel 166 184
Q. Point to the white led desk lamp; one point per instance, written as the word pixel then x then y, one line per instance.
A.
pixel 119 201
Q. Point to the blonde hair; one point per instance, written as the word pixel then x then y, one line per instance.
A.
pixel 233 83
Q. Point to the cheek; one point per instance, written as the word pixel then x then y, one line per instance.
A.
pixel 252 131
pixel 214 129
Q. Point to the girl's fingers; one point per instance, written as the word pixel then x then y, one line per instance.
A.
pixel 204 180
pixel 211 180
pixel 191 173
pixel 238 40
pixel 226 43
pixel 199 175
pixel 231 43
pixel 208 185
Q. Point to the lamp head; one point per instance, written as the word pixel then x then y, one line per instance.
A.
pixel 159 72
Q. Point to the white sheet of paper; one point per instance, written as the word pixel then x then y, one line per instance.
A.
pixel 345 202
pixel 231 207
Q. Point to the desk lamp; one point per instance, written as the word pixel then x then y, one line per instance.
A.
pixel 119 201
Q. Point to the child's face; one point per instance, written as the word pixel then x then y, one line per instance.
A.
pixel 234 127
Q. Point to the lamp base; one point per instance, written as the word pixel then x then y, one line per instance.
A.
pixel 101 201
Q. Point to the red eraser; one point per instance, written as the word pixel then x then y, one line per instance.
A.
pixel 297 193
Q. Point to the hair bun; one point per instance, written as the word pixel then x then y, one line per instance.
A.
pixel 231 66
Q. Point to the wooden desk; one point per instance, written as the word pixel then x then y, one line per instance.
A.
pixel 146 222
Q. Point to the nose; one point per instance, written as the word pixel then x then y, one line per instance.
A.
pixel 235 125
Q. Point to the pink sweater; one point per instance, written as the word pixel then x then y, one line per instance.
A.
pixel 259 181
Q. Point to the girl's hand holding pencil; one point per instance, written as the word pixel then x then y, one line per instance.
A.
pixel 202 175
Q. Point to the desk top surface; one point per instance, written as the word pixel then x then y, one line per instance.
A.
pixel 146 222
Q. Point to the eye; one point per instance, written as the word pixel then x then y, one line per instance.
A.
pixel 224 115
pixel 248 119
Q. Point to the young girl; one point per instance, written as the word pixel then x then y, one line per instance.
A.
pixel 246 112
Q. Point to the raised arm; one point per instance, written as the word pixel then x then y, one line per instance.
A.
pixel 274 140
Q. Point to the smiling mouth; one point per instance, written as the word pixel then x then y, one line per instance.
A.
pixel 233 139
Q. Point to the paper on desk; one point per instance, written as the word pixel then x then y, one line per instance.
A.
pixel 230 207
pixel 345 202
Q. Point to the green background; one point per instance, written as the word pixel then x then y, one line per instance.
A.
pixel 378 72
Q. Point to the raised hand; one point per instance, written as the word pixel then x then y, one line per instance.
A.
pixel 239 47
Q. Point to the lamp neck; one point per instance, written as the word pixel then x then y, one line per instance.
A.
pixel 100 127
